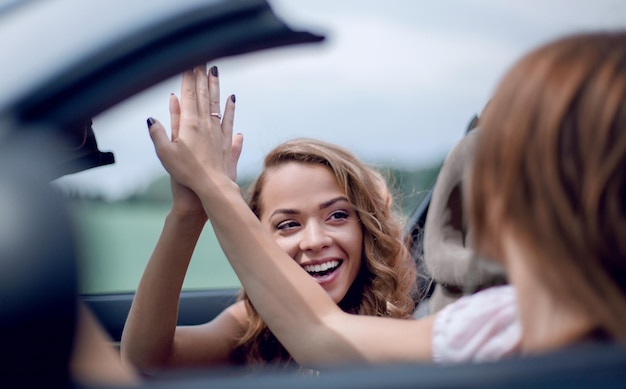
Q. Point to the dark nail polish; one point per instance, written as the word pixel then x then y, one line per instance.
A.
pixel 232 98
pixel 150 122
pixel 214 71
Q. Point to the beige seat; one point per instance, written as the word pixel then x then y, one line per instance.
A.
pixel 448 256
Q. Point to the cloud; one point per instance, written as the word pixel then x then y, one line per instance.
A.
pixel 562 16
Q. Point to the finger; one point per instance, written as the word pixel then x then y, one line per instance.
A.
pixel 228 120
pixel 188 98
pixel 158 135
pixel 236 148
pixel 202 91
pixel 214 93
pixel 174 115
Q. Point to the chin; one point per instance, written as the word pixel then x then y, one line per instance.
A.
pixel 337 297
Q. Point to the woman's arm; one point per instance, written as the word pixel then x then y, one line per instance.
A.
pixel 94 360
pixel 150 338
pixel 299 312
pixel 295 307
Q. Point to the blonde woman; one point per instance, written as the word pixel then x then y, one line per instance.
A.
pixel 328 211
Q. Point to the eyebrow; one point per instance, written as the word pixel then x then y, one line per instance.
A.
pixel 324 205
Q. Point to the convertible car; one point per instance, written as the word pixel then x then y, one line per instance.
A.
pixel 66 62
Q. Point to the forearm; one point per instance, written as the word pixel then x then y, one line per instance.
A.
pixel 94 360
pixel 148 335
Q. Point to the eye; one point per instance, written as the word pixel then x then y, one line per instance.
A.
pixel 287 224
pixel 339 215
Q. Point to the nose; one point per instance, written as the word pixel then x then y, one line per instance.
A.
pixel 314 237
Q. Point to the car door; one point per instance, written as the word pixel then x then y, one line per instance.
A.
pixel 105 52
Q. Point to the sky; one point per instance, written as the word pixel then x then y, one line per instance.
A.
pixel 395 81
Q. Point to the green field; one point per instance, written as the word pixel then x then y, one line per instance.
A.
pixel 116 240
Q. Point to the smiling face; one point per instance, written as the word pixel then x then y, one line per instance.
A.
pixel 312 220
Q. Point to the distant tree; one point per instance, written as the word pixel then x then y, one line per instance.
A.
pixel 409 186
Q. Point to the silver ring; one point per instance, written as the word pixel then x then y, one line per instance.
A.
pixel 217 115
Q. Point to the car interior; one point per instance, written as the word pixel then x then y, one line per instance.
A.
pixel 49 313
pixel 36 323
pixel 50 133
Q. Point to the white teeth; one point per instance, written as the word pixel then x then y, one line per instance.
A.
pixel 322 267
pixel 329 265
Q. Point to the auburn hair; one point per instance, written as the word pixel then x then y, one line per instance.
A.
pixel 551 163
pixel 386 283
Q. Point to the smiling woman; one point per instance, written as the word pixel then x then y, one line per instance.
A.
pixel 306 210
pixel 331 213
pixel 336 218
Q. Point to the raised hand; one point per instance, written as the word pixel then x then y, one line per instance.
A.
pixel 202 142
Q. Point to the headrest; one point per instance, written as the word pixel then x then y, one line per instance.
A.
pixel 448 255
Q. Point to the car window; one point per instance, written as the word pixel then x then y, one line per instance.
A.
pixel 397 84
pixel 120 209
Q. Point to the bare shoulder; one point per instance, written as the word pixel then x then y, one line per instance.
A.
pixel 212 342
pixel 232 320
pixel 239 313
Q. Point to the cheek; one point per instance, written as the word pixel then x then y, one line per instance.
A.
pixel 287 244
pixel 353 240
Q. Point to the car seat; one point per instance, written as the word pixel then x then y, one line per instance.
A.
pixel 38 282
pixel 447 253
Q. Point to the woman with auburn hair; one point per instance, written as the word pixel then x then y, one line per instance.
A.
pixel 548 196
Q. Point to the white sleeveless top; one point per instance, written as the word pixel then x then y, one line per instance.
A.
pixel 480 327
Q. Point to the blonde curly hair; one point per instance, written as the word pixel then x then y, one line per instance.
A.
pixel 386 283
